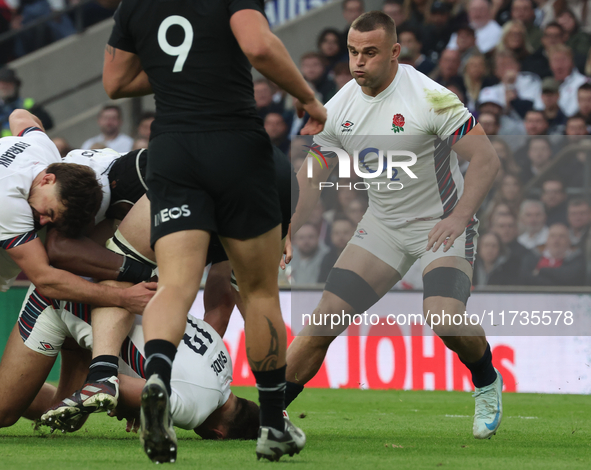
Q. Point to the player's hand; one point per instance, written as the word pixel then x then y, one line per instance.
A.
pixel 317 114
pixel 133 420
pixel 445 233
pixel 287 251
pixel 136 298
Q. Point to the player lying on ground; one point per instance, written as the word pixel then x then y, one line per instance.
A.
pixel 431 217
pixel 201 398
pixel 131 238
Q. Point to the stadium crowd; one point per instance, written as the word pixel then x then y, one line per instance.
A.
pixel 522 67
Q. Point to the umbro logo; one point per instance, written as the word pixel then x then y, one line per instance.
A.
pixel 46 346
pixel 360 233
pixel 347 125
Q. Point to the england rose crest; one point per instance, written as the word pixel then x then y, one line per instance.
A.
pixel 398 123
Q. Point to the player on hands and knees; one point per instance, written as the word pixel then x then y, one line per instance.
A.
pixel 209 171
pixel 431 218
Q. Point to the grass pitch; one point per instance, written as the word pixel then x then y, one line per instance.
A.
pixel 360 429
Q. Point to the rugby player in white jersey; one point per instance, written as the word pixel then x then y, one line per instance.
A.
pixel 37 189
pixel 431 218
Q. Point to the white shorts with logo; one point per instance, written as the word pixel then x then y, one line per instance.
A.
pixel 401 247
pixel 44 324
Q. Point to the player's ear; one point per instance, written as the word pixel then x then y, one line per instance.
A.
pixel 218 433
pixel 395 51
pixel 49 178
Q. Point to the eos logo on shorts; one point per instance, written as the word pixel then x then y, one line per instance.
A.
pixel 173 213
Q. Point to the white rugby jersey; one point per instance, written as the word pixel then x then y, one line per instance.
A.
pixel 201 371
pixel 100 161
pixel 22 158
pixel 413 114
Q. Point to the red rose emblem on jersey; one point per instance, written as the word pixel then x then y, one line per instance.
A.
pixel 398 123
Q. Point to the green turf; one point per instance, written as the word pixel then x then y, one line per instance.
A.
pixel 360 429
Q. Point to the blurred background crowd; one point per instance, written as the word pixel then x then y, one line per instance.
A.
pixel 522 67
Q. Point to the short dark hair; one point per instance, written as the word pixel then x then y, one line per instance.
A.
pixel 577 116
pixel 554 24
pixel 553 180
pixel 373 20
pixel 325 32
pixel 312 55
pixel 80 193
pixel 246 422
pixel 585 86
pixel 112 106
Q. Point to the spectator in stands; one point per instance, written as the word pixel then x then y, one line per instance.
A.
pixel 552 113
pixel 110 121
pixel 263 97
pixel 584 101
pixel 522 89
pixel 329 46
pixel 552 8
pixel 492 211
pixel 488 31
pixel 62 145
pixel 535 123
pixel 140 143
pixel 509 192
pixel 490 123
pixel 410 39
pixel 538 62
pixel 308 254
pixel 539 154
pixel 505 226
pixel 35 11
pixel 508 163
pixel 490 265
pixel 524 11
pixel 312 67
pixel 396 10
pixel 341 231
pixel 418 12
pixel 144 127
pixel 532 218
pixel 475 79
pixel 554 199
pixel 447 72
pixel 342 75
pixel 7 51
pixel 576 39
pixel 492 100
pixel 277 129
pixel 579 220
pixel 10 100
pixel 514 39
pixel 576 125
pixel 570 79
pixel 466 40
pixel 558 265
pixel 437 30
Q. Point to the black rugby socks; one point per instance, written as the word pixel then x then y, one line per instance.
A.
pixel 102 367
pixel 483 372
pixel 159 357
pixel 292 390
pixel 271 386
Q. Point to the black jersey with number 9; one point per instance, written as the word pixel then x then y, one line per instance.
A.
pixel 200 77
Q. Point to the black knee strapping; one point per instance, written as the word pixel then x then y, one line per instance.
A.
pixel 447 282
pixel 352 288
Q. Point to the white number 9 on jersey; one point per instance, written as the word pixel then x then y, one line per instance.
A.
pixel 181 51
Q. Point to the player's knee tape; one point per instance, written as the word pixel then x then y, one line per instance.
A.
pixel 352 288
pixel 447 282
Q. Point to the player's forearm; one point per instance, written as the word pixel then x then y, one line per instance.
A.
pixel 83 257
pixel 479 179
pixel 139 86
pixel 275 63
pixel 62 285
pixel 309 196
